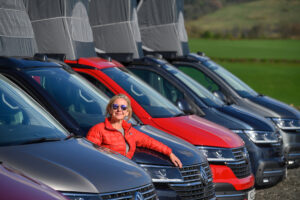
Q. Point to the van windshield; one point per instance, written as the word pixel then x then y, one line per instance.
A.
pixel 238 85
pixel 83 101
pixel 156 105
pixel 22 119
pixel 206 96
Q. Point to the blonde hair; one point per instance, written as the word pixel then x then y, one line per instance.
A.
pixel 112 100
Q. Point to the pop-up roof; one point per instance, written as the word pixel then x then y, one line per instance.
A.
pixel 62 26
pixel 16 34
pixel 115 26
pixel 161 25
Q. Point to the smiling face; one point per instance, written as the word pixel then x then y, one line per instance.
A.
pixel 117 111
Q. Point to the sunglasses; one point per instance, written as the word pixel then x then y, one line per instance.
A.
pixel 116 106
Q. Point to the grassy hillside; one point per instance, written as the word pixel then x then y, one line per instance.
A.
pixel 280 80
pixel 259 49
pixel 258 18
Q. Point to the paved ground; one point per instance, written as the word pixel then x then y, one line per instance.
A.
pixel 288 189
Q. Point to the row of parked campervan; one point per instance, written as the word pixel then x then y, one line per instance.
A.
pixel 61 61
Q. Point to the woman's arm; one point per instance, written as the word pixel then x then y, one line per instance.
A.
pixel 143 140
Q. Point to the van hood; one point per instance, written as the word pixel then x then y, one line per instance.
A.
pixel 75 165
pixel 256 122
pixel 280 108
pixel 223 119
pixel 186 152
pixel 199 131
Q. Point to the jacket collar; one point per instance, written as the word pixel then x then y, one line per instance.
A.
pixel 125 125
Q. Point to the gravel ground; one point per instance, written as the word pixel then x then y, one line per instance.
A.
pixel 288 189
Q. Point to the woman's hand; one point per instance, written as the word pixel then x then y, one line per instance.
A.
pixel 175 160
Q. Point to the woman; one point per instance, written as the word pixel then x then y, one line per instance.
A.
pixel 117 134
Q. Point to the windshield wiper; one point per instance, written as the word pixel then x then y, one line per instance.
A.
pixel 179 115
pixel 73 136
pixel 41 140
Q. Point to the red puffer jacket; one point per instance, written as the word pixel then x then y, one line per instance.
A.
pixel 103 134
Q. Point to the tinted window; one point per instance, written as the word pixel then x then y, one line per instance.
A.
pixel 22 119
pixel 206 96
pixel 77 96
pixel 239 86
pixel 98 84
pixel 200 77
pixel 149 99
pixel 160 84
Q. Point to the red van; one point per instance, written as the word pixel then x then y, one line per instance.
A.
pixel 226 153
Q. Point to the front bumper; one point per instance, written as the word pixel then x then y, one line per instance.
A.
pixel 167 194
pixel 268 162
pixel 226 191
pixel 228 186
pixel 291 145
pixel 270 172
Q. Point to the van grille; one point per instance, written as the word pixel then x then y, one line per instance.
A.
pixel 197 183
pixel 241 166
pixel 148 192
pixel 278 150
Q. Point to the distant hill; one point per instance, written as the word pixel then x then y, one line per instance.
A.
pixel 242 18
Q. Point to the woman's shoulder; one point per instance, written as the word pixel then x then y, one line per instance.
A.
pixel 100 125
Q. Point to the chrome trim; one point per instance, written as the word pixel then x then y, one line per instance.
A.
pixel 280 171
pixel 186 184
pixel 230 195
pixel 151 189
pixel 294 154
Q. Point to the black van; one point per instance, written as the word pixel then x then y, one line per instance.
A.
pixel 232 90
pixel 262 140
pixel 34 143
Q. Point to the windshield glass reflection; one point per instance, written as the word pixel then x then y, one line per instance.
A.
pixel 239 86
pixel 83 101
pixel 156 105
pixel 206 96
pixel 22 119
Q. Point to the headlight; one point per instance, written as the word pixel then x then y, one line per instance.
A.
pixel 217 154
pixel 78 196
pixel 163 173
pixel 286 124
pixel 263 136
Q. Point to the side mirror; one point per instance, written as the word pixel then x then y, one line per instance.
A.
pixel 183 105
pixel 220 95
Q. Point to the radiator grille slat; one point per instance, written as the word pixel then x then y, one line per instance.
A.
pixel 193 186
pixel 148 192
pixel 241 166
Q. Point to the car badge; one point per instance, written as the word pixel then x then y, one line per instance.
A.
pixel 138 196
pixel 203 176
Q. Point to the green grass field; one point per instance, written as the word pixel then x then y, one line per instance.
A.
pixel 280 80
pixel 262 49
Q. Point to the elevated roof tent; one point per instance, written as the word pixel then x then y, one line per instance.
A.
pixel 62 26
pixel 161 25
pixel 115 26
pixel 16 34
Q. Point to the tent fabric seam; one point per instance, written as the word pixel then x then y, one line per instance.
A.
pixel 53 18
pixel 96 26
pixel 12 9
pixel 154 26
pixel 21 37
pixel 67 28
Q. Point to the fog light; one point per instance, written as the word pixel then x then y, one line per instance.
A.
pixel 291 162
pixel 265 180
